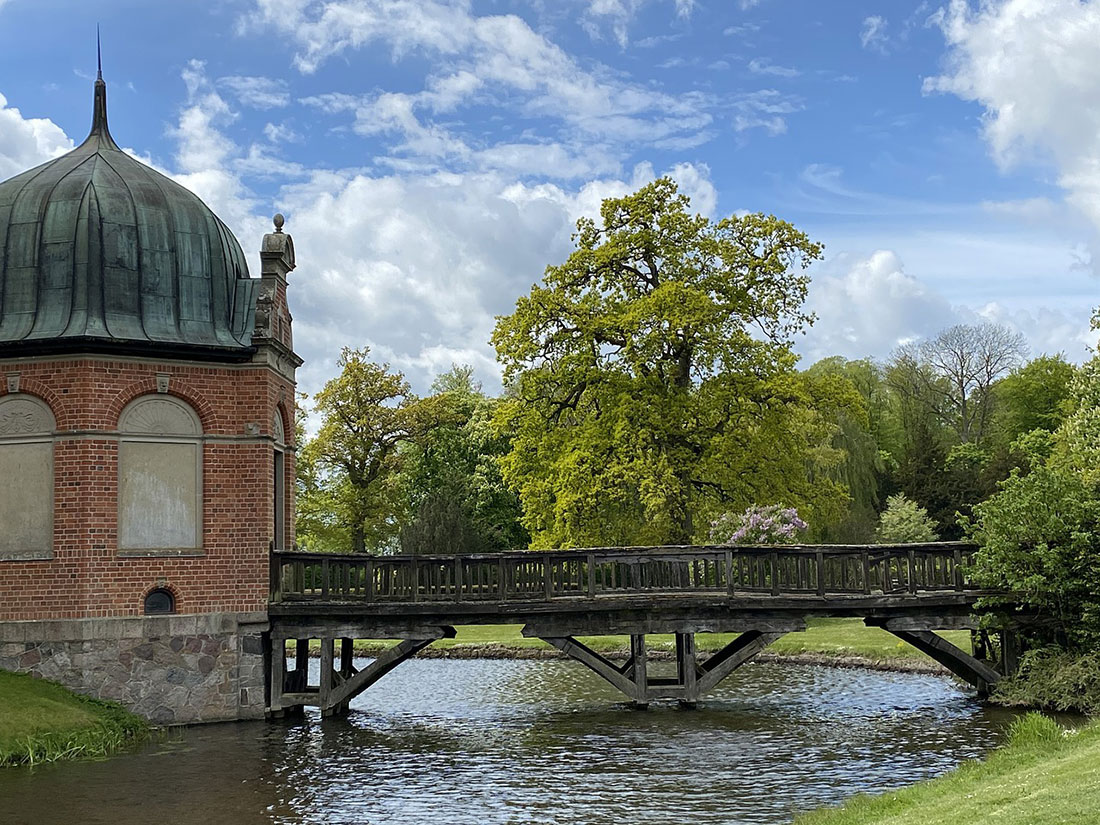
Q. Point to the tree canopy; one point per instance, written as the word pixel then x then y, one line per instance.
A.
pixel 651 377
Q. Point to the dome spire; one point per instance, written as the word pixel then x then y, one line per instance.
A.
pixel 99 107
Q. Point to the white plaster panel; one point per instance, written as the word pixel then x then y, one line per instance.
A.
pixel 159 497
pixel 26 499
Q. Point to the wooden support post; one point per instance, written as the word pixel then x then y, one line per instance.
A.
pixel 687 668
pixel 593 661
pixel 1009 653
pixel 277 678
pixel 347 650
pixel 591 563
pixel 324 691
pixel 638 661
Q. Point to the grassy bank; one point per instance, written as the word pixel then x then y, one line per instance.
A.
pixel 840 639
pixel 1044 775
pixel 43 722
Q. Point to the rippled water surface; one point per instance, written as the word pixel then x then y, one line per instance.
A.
pixel 451 742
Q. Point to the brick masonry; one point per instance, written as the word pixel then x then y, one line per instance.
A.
pixel 86 576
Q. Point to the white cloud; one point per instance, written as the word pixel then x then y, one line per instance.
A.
pixel 257 92
pixel 765 66
pixel 867 306
pixel 873 34
pixel 1032 65
pixel 493 60
pixel 764 109
pixel 27 142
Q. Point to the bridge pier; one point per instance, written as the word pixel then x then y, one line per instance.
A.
pixel 693 678
pixel 339 681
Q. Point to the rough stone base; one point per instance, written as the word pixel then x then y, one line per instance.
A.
pixel 172 670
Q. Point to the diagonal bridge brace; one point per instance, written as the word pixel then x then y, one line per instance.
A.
pixel 694 678
pixel 959 662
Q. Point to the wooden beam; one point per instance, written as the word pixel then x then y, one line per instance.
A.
pixel 731 657
pixel 594 661
pixel 966 622
pixel 687 667
pixel 962 664
pixel 640 670
pixel 386 661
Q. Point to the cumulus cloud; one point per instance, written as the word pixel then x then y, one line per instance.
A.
pixel 27 142
pixel 867 306
pixel 1032 65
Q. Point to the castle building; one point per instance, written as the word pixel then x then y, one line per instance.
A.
pixel 146 436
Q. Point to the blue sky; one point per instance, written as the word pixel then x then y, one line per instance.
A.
pixel 431 157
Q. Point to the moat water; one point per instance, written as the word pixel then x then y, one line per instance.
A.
pixel 481 742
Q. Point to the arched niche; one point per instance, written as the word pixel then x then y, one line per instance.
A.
pixel 159 478
pixel 26 477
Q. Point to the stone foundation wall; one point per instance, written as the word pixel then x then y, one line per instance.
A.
pixel 170 669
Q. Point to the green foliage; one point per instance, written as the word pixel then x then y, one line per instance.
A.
pixel 652 379
pixel 1036 396
pixel 1053 679
pixel 348 477
pixel 1039 542
pixel 452 480
pixel 904 521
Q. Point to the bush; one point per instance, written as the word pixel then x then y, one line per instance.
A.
pixel 1034 730
pixel 1054 680
pixel 773 524
pixel 904 521
pixel 1039 543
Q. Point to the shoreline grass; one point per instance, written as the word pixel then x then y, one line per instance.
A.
pixel 1045 774
pixel 44 722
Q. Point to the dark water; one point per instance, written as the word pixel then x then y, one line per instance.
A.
pixel 446 742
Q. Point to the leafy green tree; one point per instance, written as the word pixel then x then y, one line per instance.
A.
pixel 867 437
pixel 1040 535
pixel 456 495
pixel 904 521
pixel 1035 396
pixel 367 413
pixel 1040 541
pixel 651 376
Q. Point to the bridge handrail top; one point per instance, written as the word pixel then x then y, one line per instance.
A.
pixel 673 552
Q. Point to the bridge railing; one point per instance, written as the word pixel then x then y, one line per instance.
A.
pixel 532 576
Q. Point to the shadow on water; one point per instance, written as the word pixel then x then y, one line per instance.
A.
pixel 449 742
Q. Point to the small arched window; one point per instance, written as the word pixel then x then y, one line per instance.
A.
pixel 159 478
pixel 160 601
pixel 26 478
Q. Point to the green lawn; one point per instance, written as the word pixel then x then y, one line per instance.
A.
pixel 1044 776
pixel 828 637
pixel 42 721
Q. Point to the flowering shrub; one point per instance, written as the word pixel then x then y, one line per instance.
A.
pixel 773 524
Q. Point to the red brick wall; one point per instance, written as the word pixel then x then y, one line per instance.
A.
pixel 86 578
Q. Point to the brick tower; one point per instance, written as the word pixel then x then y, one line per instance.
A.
pixel 146 436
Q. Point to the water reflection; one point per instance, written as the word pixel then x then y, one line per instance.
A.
pixel 444 742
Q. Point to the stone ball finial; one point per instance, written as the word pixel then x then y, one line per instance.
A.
pixel 278 220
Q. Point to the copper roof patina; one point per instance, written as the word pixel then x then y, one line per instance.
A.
pixel 100 253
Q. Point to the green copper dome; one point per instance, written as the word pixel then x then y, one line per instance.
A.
pixel 100 253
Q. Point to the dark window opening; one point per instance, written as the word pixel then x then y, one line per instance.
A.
pixel 160 601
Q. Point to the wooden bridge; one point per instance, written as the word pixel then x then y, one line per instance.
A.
pixel 760 593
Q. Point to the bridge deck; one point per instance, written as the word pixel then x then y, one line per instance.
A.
pixel 760 592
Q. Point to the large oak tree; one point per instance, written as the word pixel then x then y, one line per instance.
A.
pixel 651 379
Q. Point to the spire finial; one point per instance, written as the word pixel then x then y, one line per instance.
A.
pixel 98 55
